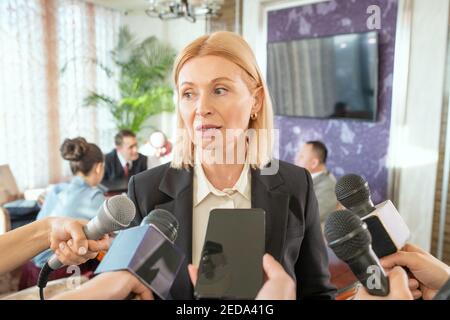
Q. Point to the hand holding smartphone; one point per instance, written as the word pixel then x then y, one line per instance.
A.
pixel 231 261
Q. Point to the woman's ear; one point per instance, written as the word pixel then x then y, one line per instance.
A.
pixel 258 98
pixel 98 168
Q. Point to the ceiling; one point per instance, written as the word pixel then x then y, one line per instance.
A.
pixel 122 5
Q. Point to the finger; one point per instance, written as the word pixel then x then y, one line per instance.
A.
pixel 143 293
pixel 67 256
pixel 400 258
pixel 417 294
pixel 193 273
pixel 413 284
pixel 362 294
pixel 87 256
pixel 99 245
pixel 54 243
pixel 413 248
pixel 75 229
pixel 398 278
pixel 271 267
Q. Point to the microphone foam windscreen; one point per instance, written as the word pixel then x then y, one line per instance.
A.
pixel 165 221
pixel 341 223
pixel 351 190
pixel 120 212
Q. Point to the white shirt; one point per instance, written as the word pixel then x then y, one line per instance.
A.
pixel 123 162
pixel 206 197
pixel 314 175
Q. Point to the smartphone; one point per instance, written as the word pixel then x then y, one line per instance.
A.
pixel 231 261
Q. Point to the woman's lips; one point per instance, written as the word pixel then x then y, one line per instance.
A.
pixel 207 130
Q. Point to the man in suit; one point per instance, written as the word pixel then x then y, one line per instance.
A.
pixel 125 160
pixel 313 157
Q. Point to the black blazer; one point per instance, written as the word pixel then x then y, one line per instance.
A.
pixel 293 233
pixel 114 169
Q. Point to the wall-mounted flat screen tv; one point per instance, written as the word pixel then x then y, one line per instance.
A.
pixel 329 77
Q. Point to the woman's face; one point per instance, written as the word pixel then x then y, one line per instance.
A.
pixel 214 97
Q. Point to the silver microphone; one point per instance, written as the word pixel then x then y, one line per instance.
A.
pixel 115 214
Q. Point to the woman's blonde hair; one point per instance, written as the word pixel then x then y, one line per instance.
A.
pixel 234 48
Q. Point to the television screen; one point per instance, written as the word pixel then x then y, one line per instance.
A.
pixel 330 77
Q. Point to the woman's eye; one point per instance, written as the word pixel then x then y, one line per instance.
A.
pixel 187 95
pixel 220 90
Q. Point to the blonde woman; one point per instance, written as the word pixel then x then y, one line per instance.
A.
pixel 220 90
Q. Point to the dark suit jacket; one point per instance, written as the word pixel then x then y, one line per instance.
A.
pixel 114 169
pixel 293 233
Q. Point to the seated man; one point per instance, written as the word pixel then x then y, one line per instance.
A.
pixel 124 161
pixel 313 157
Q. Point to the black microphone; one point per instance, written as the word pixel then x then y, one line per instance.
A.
pixel 388 229
pixel 164 221
pixel 348 237
pixel 148 251
pixel 353 192
pixel 115 214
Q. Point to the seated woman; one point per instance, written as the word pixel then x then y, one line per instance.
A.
pixel 223 158
pixel 80 198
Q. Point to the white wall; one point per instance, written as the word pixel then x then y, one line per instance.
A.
pixel 178 33
pixel 416 114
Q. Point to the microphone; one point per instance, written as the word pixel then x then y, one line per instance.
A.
pixel 164 221
pixel 348 237
pixel 388 229
pixel 148 251
pixel 115 214
pixel 353 192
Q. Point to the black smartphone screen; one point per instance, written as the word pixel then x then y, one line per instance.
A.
pixel 231 261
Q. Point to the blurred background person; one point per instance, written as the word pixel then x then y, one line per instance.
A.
pixel 80 198
pixel 313 157
pixel 125 160
pixel 158 149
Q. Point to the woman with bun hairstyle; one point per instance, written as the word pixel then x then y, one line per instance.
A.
pixel 79 198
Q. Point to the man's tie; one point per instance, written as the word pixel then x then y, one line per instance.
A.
pixel 126 170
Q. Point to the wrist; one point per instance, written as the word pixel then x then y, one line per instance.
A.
pixel 43 231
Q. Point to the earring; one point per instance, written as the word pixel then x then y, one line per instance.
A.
pixel 254 116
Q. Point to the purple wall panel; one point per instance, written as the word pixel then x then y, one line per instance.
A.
pixel 354 146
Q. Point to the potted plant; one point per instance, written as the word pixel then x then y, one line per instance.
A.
pixel 143 81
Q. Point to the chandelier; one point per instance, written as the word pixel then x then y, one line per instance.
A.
pixel 188 9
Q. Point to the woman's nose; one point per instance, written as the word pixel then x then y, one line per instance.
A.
pixel 204 106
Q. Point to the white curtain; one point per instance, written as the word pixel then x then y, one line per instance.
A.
pixel 23 102
pixel 83 33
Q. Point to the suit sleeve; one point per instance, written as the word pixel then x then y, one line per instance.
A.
pixel 107 174
pixel 132 195
pixel 313 280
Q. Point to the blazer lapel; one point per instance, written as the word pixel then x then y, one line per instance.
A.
pixel 267 195
pixel 178 185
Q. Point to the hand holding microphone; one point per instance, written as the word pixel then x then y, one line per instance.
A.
pixel 115 214
pixel 399 288
pixel 350 240
pixel 431 273
pixel 68 241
